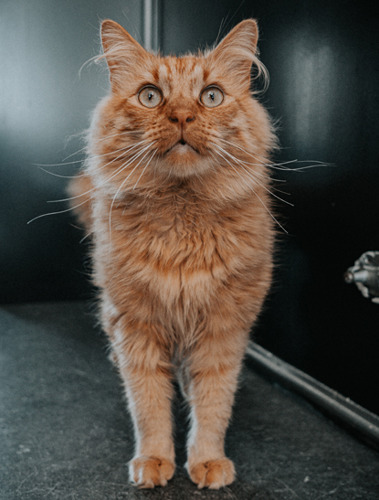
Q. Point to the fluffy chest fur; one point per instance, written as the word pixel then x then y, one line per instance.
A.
pixel 174 244
pixel 176 253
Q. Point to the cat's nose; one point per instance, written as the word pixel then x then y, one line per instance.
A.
pixel 181 116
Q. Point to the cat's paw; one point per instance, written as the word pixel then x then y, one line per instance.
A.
pixel 213 474
pixel 148 472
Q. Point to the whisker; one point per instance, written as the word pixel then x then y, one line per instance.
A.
pixel 135 156
pixel 306 167
pixel 246 152
pixel 57 212
pixel 235 170
pixel 144 168
pixel 85 237
pixel 234 158
pixel 254 179
pixel 59 175
pixel 127 177
pixel 251 174
pixel 125 132
pixel 123 166
pixel 256 194
pixel 280 166
pixel 62 164
pixel 260 174
pixel 270 214
pixel 81 150
pixel 119 189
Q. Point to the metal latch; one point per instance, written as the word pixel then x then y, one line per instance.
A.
pixel 365 274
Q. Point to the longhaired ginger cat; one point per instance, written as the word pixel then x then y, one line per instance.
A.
pixel 175 193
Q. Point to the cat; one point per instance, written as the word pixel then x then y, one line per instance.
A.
pixel 175 193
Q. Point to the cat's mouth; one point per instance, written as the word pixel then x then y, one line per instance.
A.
pixel 182 159
pixel 181 147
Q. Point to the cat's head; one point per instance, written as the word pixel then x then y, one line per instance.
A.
pixel 188 110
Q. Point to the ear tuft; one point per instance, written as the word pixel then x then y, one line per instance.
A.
pixel 237 52
pixel 244 36
pixel 123 54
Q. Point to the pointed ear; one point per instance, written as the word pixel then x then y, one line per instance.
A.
pixel 237 51
pixel 123 54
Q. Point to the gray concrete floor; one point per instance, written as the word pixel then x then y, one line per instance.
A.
pixel 65 432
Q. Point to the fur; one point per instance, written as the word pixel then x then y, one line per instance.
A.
pixel 176 198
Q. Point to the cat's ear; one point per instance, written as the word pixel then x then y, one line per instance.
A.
pixel 237 51
pixel 124 55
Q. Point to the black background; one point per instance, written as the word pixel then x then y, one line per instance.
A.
pixel 322 59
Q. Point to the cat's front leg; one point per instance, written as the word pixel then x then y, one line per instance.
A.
pixel 213 372
pixel 147 380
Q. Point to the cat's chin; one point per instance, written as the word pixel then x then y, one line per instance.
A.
pixel 181 148
pixel 182 160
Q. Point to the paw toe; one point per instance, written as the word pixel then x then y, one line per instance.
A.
pixel 213 474
pixel 148 472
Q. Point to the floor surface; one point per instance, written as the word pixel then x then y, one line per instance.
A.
pixel 65 432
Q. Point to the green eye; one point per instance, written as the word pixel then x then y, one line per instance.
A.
pixel 211 97
pixel 150 96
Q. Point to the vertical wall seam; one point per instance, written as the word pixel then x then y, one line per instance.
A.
pixel 151 16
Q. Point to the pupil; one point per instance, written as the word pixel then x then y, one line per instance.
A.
pixel 150 96
pixel 212 96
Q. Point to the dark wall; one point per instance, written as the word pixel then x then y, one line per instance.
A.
pixel 44 102
pixel 323 62
pixel 322 58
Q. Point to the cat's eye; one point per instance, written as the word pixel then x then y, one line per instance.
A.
pixel 211 97
pixel 150 96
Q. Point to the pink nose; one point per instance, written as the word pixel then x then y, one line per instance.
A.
pixel 181 116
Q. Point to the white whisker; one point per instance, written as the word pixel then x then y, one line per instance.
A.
pixel 144 168
pixel 279 166
pixel 251 174
pixel 57 164
pixel 270 214
pixel 85 237
pixel 57 212
pixel 122 185
pixel 253 177
pixel 125 149
pixel 122 167
pixel 117 134
pixel 59 175
pixel 254 191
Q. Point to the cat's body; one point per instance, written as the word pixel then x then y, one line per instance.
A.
pixel 177 203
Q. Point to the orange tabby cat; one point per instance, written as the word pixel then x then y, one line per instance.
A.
pixel 175 191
